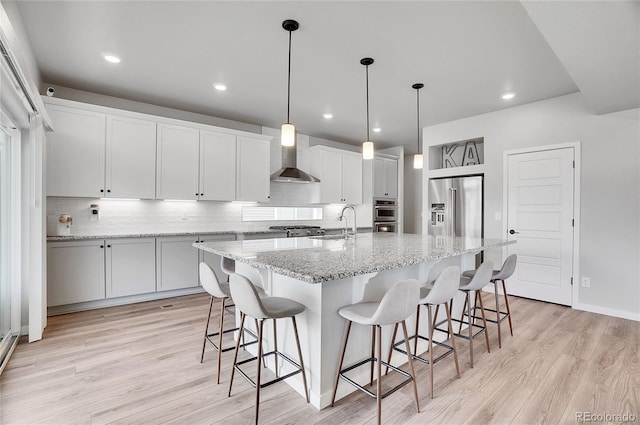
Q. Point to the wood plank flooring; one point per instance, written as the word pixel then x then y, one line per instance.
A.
pixel 139 364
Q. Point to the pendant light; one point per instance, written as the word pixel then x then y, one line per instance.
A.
pixel 418 159
pixel 288 133
pixel 367 145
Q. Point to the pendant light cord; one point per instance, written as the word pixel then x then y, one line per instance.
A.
pixel 418 116
pixel 367 79
pixel 289 81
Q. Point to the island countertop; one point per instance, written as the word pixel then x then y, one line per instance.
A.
pixel 316 260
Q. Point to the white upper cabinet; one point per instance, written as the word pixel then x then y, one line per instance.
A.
pixel 253 166
pixel 75 153
pixel 177 162
pixel 217 166
pixel 130 158
pixel 385 178
pixel 340 174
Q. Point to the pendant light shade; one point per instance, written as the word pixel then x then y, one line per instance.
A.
pixel 367 145
pixel 288 133
pixel 418 159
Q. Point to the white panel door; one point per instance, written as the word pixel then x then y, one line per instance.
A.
pixel 177 162
pixel 75 272
pixel 540 218
pixel 217 166
pixel 130 266
pixel 130 158
pixel 352 179
pixel 177 263
pixel 75 153
pixel 253 166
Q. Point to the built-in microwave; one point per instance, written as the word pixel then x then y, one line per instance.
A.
pixel 385 210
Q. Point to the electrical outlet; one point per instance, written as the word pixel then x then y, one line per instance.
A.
pixel 184 216
pixel 586 282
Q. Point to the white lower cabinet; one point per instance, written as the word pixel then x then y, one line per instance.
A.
pixel 130 267
pixel 177 263
pixel 75 272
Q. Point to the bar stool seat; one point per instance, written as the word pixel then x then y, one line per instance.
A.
pixel 396 305
pixel 251 304
pixel 508 268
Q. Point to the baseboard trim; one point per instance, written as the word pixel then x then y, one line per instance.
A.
pixel 608 311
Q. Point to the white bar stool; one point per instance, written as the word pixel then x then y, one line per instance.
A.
pixel 249 303
pixel 467 285
pixel 397 304
pixel 212 285
pixel 443 290
pixel 503 274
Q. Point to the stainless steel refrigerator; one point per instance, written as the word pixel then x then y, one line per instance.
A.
pixel 456 206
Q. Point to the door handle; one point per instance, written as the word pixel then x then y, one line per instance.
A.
pixel 513 232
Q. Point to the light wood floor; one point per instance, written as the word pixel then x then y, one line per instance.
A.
pixel 139 364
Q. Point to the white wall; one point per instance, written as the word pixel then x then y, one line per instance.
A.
pixel 412 197
pixel 610 211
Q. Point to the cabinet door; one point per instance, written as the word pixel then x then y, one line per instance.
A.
pixel 176 262
pixel 379 186
pixel 217 166
pixel 130 267
pixel 211 259
pixel 177 162
pixel 253 177
pixel 75 153
pixel 130 158
pixel 352 179
pixel 391 178
pixel 75 272
pixel 330 176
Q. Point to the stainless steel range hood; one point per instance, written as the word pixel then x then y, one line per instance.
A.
pixel 290 173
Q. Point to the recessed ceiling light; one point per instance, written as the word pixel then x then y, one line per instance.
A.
pixel 219 87
pixel 508 96
pixel 111 58
pixel 377 129
pixel 327 116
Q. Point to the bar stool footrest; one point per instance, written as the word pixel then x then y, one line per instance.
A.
pixel 463 336
pixel 382 363
pixel 215 334
pixel 273 381
pixel 504 315
pixel 416 357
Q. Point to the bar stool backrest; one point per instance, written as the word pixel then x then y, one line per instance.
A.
pixel 398 303
pixel 245 297
pixel 444 288
pixel 210 281
pixel 507 269
pixel 481 278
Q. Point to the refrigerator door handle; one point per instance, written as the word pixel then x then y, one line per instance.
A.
pixel 452 210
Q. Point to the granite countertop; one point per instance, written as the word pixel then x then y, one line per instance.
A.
pixel 315 260
pixel 169 234
pixel 159 234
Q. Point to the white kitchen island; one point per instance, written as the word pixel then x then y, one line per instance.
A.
pixel 325 274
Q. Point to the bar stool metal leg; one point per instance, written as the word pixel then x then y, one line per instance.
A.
pixel 235 354
pixel 506 301
pixel 410 359
pixel 275 345
pixel 484 320
pixel 373 344
pixel 379 377
pixel 220 332
pixel 206 331
pixel 342 351
pixel 304 374
pixel 495 287
pixel 259 368
pixel 431 330
pixel 453 340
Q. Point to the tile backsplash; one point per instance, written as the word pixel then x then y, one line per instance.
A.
pixel 156 216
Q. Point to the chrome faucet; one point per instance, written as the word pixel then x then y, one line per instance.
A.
pixel 341 216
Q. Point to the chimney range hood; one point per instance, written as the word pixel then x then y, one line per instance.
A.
pixel 290 173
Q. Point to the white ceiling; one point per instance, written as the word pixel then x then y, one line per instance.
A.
pixel 466 53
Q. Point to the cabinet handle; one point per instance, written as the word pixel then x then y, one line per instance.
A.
pixel 202 194
pixel 108 246
pixel 101 246
pixel 101 190
pixel 108 190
